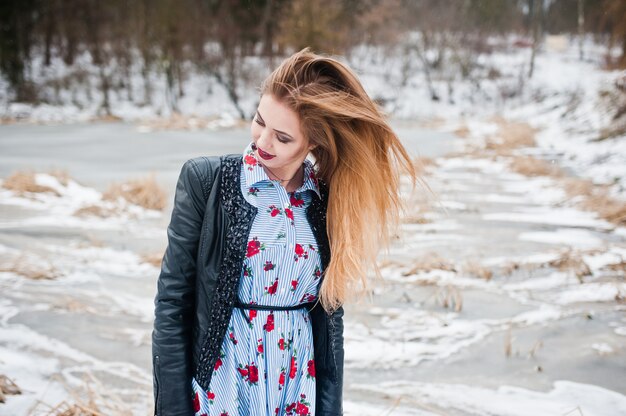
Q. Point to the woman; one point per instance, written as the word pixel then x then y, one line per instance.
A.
pixel 264 247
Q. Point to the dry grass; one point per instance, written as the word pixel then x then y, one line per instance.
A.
pixel 389 262
pixel 97 211
pixel 23 267
pixel 422 163
pixel 429 263
pixel 154 259
pixel 432 123
pixel 508 343
pixel 511 135
pixel 617 267
pixel 144 192
pixel 473 268
pixel 7 386
pixel 179 121
pixel 106 118
pixel 416 218
pixel 536 347
pixel 510 267
pixel 596 198
pixel 578 187
pixel 530 166
pixel 462 131
pixel 23 182
pixel 571 260
pixel 92 400
pixel 73 306
pixel 608 208
pixel 450 297
pixel 4 120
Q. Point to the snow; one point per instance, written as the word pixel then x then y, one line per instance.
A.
pixel 59 208
pixel 565 397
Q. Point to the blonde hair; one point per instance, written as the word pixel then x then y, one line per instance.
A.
pixel 357 154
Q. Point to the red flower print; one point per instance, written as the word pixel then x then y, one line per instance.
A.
pixel 307 297
pixel 295 200
pixel 253 191
pixel 254 246
pixel 224 414
pixel 268 266
pixel 269 324
pixel 231 335
pixel 247 271
pixel 249 373
pixel 276 410
pixel 243 371
pixel 274 210
pixel 196 403
pixel 317 273
pixel 281 342
pixel 294 283
pixel 281 379
pixel 291 407
pixel 312 176
pixel 311 369
pixel 289 214
pixel 271 289
pixel 252 314
pixel 250 161
pixel 253 374
pixel 210 395
pixel 300 252
pixel 218 363
pixel 294 368
pixel 259 347
pixel 302 409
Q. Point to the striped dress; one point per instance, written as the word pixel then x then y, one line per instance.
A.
pixel 266 364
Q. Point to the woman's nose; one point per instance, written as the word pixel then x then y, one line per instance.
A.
pixel 264 140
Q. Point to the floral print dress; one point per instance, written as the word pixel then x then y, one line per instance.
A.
pixel 266 364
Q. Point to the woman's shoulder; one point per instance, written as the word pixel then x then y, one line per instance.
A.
pixel 207 166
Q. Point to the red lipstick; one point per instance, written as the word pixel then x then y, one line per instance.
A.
pixel 263 154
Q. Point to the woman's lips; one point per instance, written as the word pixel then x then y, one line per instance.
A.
pixel 264 155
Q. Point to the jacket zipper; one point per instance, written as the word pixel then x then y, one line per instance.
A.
pixel 157 403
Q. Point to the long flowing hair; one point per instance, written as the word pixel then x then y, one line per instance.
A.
pixel 357 155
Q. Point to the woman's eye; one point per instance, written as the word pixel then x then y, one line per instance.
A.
pixel 280 139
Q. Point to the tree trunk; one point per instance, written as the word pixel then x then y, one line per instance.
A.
pixel 581 28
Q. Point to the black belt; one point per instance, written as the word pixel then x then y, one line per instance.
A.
pixel 238 304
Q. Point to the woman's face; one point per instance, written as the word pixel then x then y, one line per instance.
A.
pixel 281 146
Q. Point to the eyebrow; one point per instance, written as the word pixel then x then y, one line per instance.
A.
pixel 277 131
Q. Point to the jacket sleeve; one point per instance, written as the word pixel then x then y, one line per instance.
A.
pixel 174 302
pixel 330 389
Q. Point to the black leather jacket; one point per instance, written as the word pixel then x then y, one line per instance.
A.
pixel 199 281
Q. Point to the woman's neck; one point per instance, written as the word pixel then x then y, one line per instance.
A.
pixel 290 182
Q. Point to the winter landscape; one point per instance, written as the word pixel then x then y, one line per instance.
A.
pixel 504 292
